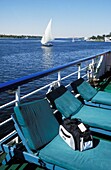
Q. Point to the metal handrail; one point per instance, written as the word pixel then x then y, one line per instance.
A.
pixel 13 84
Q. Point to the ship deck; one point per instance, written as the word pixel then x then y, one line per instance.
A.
pixel 103 84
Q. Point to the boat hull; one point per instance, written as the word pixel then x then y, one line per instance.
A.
pixel 47 45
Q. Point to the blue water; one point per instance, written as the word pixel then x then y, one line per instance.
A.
pixel 20 57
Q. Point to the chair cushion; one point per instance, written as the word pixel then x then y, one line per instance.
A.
pixel 57 152
pixel 102 98
pixel 67 104
pixel 37 122
pixel 95 117
pixel 86 91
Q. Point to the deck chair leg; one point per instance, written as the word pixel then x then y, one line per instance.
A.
pixel 9 153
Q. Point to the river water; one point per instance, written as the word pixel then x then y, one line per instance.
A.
pixel 20 57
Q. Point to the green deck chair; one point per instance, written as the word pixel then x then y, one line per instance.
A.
pixel 38 129
pixel 69 106
pixel 89 93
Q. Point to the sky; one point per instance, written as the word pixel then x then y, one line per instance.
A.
pixel 70 18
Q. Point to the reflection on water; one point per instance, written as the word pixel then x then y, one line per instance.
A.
pixel 47 51
pixel 47 56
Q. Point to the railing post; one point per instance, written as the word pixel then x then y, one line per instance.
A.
pixel 17 96
pixel 59 78
pixel 79 70
pixel 108 61
pixel 92 69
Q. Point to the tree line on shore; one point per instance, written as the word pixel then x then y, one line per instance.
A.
pixel 19 36
pixel 95 38
pixel 100 37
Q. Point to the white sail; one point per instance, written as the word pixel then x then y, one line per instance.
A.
pixel 48 35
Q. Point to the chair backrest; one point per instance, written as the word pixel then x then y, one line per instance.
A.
pixel 65 101
pixel 54 94
pixel 37 123
pixel 67 104
pixel 84 89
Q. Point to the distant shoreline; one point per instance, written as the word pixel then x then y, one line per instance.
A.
pixel 20 36
pixel 93 38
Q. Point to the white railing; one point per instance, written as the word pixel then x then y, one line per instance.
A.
pixel 85 68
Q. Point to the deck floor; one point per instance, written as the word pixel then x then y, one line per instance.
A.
pixel 16 164
pixel 105 82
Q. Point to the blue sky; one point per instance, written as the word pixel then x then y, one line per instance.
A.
pixel 69 17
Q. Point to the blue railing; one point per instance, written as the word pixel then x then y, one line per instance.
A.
pixel 13 84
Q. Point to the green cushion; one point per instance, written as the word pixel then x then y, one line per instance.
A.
pixel 96 117
pixel 102 98
pixel 59 153
pixel 86 91
pixel 37 122
pixel 67 104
